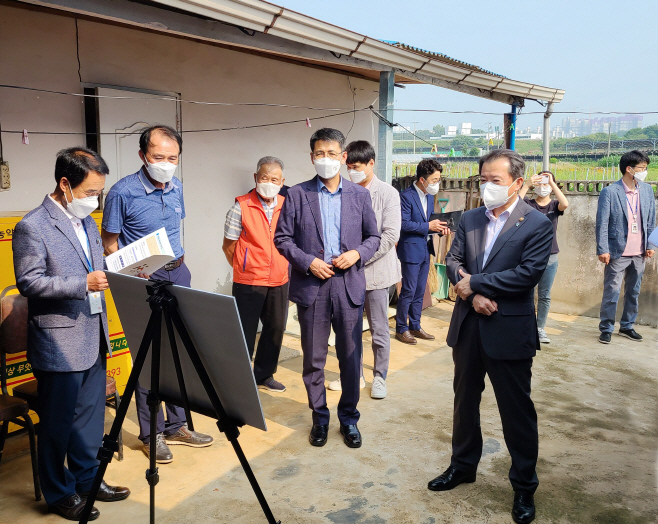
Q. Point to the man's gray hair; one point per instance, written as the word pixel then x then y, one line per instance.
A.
pixel 516 162
pixel 269 160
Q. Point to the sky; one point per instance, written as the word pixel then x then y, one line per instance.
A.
pixel 598 51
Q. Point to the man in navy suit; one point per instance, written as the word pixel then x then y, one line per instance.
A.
pixel 415 247
pixel 327 230
pixel 497 257
pixel 58 262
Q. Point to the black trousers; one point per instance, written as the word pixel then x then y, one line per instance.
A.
pixel 270 306
pixel 71 420
pixel 511 384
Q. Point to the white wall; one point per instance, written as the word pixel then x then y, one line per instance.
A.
pixel 39 50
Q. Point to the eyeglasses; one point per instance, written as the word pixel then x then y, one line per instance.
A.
pixel 321 154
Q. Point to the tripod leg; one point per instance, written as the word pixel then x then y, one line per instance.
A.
pixel 106 452
pixel 179 369
pixel 225 424
pixel 153 402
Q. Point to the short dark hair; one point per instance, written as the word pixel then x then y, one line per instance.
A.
pixel 360 151
pixel 327 134
pixel 427 167
pixel 169 132
pixel 631 159
pixel 75 163
pixel 516 162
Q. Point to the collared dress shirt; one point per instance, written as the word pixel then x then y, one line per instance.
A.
pixel 134 208
pixel 330 206
pixel 494 227
pixel 423 199
pixel 233 224
pixel 77 227
pixel 633 240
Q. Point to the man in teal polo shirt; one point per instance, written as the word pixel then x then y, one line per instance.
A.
pixel 137 205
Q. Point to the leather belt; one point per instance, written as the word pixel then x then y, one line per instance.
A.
pixel 170 266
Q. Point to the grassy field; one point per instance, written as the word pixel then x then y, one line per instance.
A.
pixel 589 170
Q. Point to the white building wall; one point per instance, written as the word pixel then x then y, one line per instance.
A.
pixel 217 166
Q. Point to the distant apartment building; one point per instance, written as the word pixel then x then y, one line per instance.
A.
pixel 573 127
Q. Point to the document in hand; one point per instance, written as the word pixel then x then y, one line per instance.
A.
pixel 146 255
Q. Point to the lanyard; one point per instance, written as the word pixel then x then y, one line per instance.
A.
pixel 637 201
pixel 89 264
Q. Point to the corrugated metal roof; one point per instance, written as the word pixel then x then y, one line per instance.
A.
pixel 440 56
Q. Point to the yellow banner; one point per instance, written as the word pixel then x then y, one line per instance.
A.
pixel 18 369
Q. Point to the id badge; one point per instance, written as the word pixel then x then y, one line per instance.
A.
pixel 634 227
pixel 95 303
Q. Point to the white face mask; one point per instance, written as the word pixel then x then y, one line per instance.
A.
pixel 267 189
pixel 81 207
pixel 640 175
pixel 357 176
pixel 493 195
pixel 543 191
pixel 326 168
pixel 432 189
pixel 161 172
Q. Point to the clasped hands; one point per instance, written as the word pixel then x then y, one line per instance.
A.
pixel 481 304
pixel 323 271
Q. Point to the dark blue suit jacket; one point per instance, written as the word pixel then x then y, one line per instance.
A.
pixel 299 238
pixel 516 262
pixel 413 245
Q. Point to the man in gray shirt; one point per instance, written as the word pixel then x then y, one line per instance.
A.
pixel 383 269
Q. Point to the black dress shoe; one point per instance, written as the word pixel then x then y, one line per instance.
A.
pixel 109 493
pixel 523 510
pixel 70 508
pixel 449 479
pixel 318 436
pixel 351 435
pixel 631 333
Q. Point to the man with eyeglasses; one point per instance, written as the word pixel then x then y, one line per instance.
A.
pixel 625 219
pixel 327 230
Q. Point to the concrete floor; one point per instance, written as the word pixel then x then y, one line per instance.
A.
pixel 598 447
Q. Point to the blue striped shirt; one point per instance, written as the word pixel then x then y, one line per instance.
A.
pixel 330 206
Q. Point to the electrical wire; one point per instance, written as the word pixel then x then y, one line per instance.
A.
pixel 173 99
pixel 263 104
pixel 353 106
pixel 77 49
pixel 236 128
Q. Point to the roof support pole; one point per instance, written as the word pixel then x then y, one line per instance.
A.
pixel 512 129
pixel 546 138
pixel 385 134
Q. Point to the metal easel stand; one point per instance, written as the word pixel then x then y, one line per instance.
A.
pixel 163 303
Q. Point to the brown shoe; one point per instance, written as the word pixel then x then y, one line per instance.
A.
pixel 405 337
pixel 109 493
pixel 420 333
pixel 71 507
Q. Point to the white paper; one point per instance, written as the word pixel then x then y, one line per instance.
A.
pixel 653 237
pixel 146 255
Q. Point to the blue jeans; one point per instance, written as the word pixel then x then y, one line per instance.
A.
pixel 631 270
pixel 544 291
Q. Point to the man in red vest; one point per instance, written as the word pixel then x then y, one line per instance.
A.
pixel 260 273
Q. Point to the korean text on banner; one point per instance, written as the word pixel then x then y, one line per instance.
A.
pixel 145 255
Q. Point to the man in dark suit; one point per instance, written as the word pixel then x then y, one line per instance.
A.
pixel 415 247
pixel 327 230
pixel 496 259
pixel 58 261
